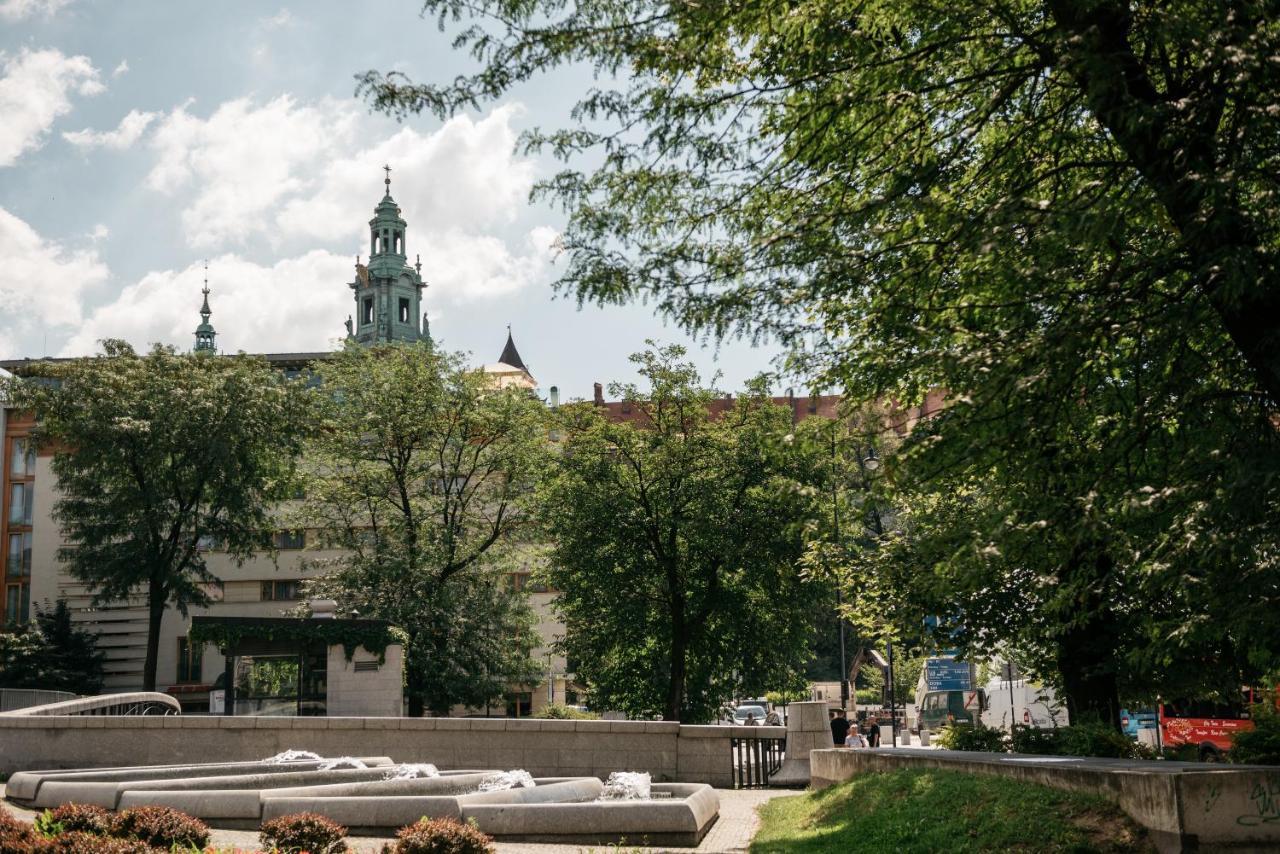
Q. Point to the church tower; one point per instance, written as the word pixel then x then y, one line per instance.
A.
pixel 204 332
pixel 388 292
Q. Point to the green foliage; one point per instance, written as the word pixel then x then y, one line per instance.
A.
pixel 349 633
pixel 781 698
pixel 303 833
pixel 1060 217
pixel 968 737
pixel 675 543
pixel 1089 738
pixel 154 452
pixel 422 473
pixel 1260 745
pixel 51 653
pixel 439 836
pixel 79 842
pixel 557 711
pixel 943 811
pixel 160 827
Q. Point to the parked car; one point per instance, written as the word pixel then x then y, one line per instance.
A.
pixel 741 713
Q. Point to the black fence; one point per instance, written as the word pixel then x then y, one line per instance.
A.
pixel 755 760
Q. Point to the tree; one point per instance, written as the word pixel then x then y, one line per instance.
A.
pixel 51 654
pixel 155 454
pixel 674 543
pixel 423 473
pixel 1062 213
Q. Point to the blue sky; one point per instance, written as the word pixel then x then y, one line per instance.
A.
pixel 138 139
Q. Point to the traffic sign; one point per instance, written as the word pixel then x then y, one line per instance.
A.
pixel 971 699
pixel 946 674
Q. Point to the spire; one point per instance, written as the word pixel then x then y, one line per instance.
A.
pixel 510 355
pixel 204 332
pixel 387 169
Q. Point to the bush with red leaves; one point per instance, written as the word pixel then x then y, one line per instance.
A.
pixel 161 827
pixel 439 836
pixel 303 832
pixel 78 842
pixel 85 818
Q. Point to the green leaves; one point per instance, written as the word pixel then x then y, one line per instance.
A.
pixel 422 473
pixel 674 542
pixel 155 452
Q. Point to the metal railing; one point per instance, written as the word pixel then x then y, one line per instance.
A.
pixel 12 699
pixel 131 703
pixel 755 760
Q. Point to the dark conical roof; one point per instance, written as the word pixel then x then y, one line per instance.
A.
pixel 510 355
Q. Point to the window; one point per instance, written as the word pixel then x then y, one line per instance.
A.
pixel 20 495
pixel 19 563
pixel 208 543
pixel 520 704
pixel 17 603
pixel 189 661
pixel 404 309
pixel 291 539
pixel 366 316
pixel 524 582
pixel 281 591
pixel 22 461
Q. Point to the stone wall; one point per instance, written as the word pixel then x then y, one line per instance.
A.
pixel 545 748
pixel 1185 806
pixel 357 692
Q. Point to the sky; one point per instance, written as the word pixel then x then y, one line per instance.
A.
pixel 140 140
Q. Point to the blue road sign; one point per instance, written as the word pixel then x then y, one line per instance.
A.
pixel 946 674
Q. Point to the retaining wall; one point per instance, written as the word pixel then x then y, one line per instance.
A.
pixel 544 748
pixel 1185 806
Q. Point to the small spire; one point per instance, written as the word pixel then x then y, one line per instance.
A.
pixel 205 334
pixel 418 264
pixel 510 355
pixel 387 169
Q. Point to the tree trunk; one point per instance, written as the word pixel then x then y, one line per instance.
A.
pixel 1087 646
pixel 677 664
pixel 157 598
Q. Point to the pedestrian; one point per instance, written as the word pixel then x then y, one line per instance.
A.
pixel 839 727
pixel 773 719
pixel 751 719
pixel 873 735
pixel 855 739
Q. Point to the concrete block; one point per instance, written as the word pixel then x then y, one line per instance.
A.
pixel 273 723
pixel 346 723
pixel 310 723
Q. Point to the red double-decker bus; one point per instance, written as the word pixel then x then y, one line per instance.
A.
pixel 1207 725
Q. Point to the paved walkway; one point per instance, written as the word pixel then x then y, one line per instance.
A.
pixel 731 833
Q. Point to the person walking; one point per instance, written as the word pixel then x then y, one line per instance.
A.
pixel 773 719
pixel 855 739
pixel 839 727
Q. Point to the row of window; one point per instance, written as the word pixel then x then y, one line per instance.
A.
pixel 283 540
pixel 17 566
pixel 20 501
pixel 366 311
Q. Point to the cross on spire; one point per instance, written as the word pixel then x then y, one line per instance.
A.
pixel 387 169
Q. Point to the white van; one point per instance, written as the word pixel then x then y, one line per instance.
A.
pixel 1033 705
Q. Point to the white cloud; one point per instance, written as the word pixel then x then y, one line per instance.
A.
pixel 100 232
pixel 34 91
pixel 128 132
pixel 296 304
pixel 42 283
pixel 283 18
pixel 122 68
pixel 16 10
pixel 464 176
pixel 244 160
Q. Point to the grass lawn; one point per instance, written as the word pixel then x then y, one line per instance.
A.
pixel 943 811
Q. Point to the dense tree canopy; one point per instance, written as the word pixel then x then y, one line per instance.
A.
pixel 1062 212
pixel 156 456
pixel 675 545
pixel 51 654
pixel 423 473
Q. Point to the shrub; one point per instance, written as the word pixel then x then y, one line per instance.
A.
pixel 969 737
pixel 80 818
pixel 304 831
pixel 440 836
pixel 556 711
pixel 16 837
pixel 78 842
pixel 161 827
pixel 1090 738
pixel 1040 742
pixel 1260 745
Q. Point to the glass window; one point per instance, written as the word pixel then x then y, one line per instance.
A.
pixel 281 591
pixel 19 563
pixel 291 539
pixel 520 704
pixel 20 504
pixel 23 459
pixel 17 603
pixel 404 310
pixel 367 314
pixel 190 662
